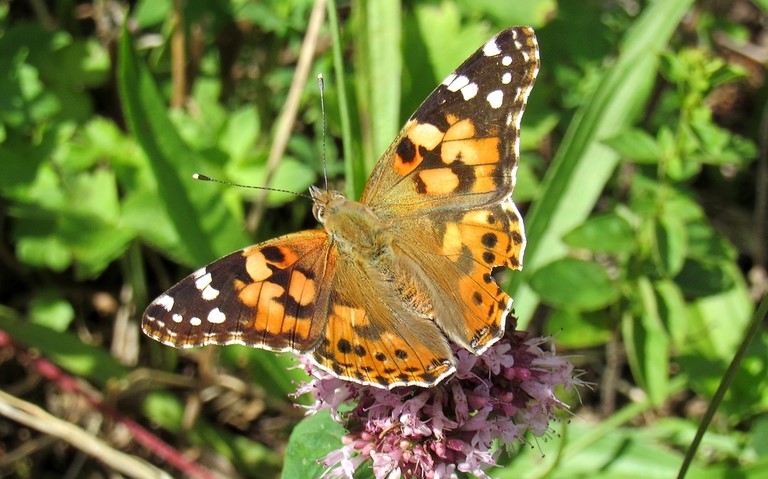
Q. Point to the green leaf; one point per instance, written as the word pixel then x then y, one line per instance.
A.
pixel 609 233
pixel 574 284
pixel 703 278
pixel 670 244
pixel 380 39
pixel 718 318
pixel 446 40
pixel 310 441
pixel 50 310
pixel 648 345
pixel 705 244
pixel 760 436
pixel 636 145
pixel 577 330
pixel 140 215
pixel 149 13
pixel 206 228
pixel 44 251
pixel 536 12
pixel 673 312
pixel 291 175
pixel 240 133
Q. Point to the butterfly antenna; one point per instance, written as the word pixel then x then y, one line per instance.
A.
pixel 202 177
pixel 321 86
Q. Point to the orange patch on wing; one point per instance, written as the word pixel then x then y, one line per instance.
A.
pixel 452 243
pixel 484 179
pixel 476 217
pixel 471 152
pixel 461 130
pixel 480 299
pixel 426 135
pixel 495 237
pixel 419 135
pixel 256 266
pixel 350 315
pixel 301 289
pixel 289 325
pixel 403 167
pixel 439 181
pixel 302 328
pixel 261 294
pixel 451 118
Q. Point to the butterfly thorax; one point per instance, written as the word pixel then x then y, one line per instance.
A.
pixel 364 238
pixel 352 226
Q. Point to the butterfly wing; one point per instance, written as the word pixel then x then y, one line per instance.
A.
pixel 445 185
pixel 269 295
pixel 372 339
pixel 465 247
pixel 296 293
pixel 461 146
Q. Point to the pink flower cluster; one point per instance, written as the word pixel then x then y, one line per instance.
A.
pixel 455 427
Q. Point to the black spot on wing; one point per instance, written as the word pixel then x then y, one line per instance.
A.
pixel 273 254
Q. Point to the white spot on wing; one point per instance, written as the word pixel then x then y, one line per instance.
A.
pixel 506 61
pixel 491 48
pixel 458 83
pixel 495 98
pixel 216 316
pixel 165 301
pixel 177 318
pixel 199 272
pixel 195 321
pixel 506 78
pixel 449 79
pixel 203 281
pixel 469 91
pixel 210 293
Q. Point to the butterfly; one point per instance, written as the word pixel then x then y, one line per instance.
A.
pixel 379 293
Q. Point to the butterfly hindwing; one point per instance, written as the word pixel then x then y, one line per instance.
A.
pixel 373 339
pixel 465 248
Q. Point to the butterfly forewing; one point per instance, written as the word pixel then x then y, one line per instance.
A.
pixel 269 295
pixel 451 173
pixel 460 147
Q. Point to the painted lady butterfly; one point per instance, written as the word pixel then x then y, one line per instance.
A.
pixel 376 296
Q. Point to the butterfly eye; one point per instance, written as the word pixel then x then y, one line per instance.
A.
pixel 319 213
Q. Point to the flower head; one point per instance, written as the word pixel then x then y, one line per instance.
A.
pixel 435 432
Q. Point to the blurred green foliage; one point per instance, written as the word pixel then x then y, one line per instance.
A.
pixel 639 189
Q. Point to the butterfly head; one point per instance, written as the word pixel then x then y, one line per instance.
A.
pixel 326 202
